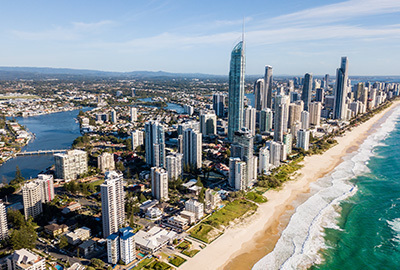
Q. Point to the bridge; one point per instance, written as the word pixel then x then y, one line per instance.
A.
pixel 41 152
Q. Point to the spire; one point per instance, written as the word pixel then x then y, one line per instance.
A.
pixel 243 31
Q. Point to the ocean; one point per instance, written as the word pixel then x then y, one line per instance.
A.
pixel 352 218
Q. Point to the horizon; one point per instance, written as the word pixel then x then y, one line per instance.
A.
pixel 186 37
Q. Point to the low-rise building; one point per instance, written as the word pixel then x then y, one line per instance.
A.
pixel 178 222
pixel 55 229
pixel 24 259
pixel 78 236
pixel 154 239
pixel 87 247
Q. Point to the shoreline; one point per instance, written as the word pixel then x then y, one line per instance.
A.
pixel 246 243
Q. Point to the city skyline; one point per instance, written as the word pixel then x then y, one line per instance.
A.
pixel 293 38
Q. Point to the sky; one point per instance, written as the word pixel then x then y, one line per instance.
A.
pixel 188 36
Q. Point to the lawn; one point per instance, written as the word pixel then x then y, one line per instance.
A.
pixel 184 245
pixel 255 197
pixel 201 232
pixel 230 212
pixel 143 263
pixel 190 253
pixel 176 260
pixel 156 265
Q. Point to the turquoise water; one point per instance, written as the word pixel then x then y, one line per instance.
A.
pixel 368 236
pixel 352 218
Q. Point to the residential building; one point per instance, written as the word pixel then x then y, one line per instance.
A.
pixel 127 245
pixel 237 173
pixel 113 254
pixel 113 116
pixel 192 148
pixel 320 95
pixel 105 162
pixel 208 123
pixel 159 183
pixel 281 117
pixel 137 138
pixel 236 90
pixel 266 120
pixel 112 203
pixel 46 184
pixel 219 104
pixel 3 222
pixel 307 88
pixel 24 259
pixel 242 147
pixel 303 139
pixel 32 198
pixel 78 236
pixel 275 153
pixel 250 119
pixel 133 114
pixel 263 160
pixel 340 91
pixel 305 120
pixel 258 94
pixel 195 207
pixel 174 166
pixel 267 93
pixel 155 144
pixel 71 164
pixel 315 113
pixel 212 197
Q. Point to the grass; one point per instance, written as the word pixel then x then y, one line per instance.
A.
pixel 184 245
pixel 201 232
pixel 157 265
pixel 176 260
pixel 143 263
pixel 230 212
pixel 255 197
pixel 190 253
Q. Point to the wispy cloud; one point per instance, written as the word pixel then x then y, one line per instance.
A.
pixel 73 31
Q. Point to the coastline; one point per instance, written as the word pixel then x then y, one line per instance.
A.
pixel 246 243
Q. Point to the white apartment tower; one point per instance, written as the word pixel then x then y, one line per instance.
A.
pixel 70 165
pixel 105 162
pixel 46 183
pixel 112 203
pixel 159 183
pixel 195 207
pixel 250 119
pixel 32 197
pixel 137 138
pixel 315 113
pixel 192 148
pixel 208 123
pixel 303 139
pixel 263 160
pixel 174 165
pixel 133 114
pixel 3 222
pixel 237 173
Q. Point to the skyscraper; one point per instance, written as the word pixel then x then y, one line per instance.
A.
pixel 340 109
pixel 137 138
pixel 275 153
pixel 303 139
pixel 320 95
pixel 263 160
pixel 307 88
pixel 237 173
pixel 32 198
pixel 250 119
pixel 267 93
pixel 112 203
pixel 133 114
pixel 258 91
pixel 219 104
pixel 236 90
pixel 3 222
pixel 46 184
pixel 192 148
pixel 174 166
pixel 159 183
pixel 305 120
pixel 113 116
pixel 315 113
pixel 105 162
pixel 266 118
pixel 155 144
pixel 208 123
pixel 281 118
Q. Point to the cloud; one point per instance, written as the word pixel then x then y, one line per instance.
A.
pixel 74 31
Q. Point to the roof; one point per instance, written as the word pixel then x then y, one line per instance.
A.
pixel 154 238
pixel 113 236
pixel 87 244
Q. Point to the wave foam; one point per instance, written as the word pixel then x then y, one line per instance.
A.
pixel 299 244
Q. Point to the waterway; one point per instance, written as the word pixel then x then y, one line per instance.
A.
pixel 170 106
pixel 52 131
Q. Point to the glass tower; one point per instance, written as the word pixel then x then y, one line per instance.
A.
pixel 341 90
pixel 236 90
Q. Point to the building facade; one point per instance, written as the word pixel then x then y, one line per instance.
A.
pixel 71 164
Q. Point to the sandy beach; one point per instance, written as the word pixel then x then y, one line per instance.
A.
pixel 241 246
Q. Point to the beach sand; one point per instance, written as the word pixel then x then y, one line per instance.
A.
pixel 242 245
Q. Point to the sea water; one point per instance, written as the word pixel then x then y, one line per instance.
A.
pixel 352 220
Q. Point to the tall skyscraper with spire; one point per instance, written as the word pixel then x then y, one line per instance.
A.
pixel 306 93
pixel 339 109
pixel 267 93
pixel 236 90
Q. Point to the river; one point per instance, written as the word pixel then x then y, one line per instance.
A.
pixel 52 131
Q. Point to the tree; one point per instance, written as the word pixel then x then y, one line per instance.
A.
pixel 25 237
pixel 63 242
pixel 120 166
pixel 97 263
pixel 18 176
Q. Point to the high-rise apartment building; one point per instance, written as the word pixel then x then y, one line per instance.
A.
pixel 281 117
pixel 250 119
pixel 133 112
pixel 70 165
pixel 32 198
pixel 105 162
pixel 266 120
pixel 3 222
pixel 46 183
pixel 294 115
pixel 307 88
pixel 159 183
pixel 263 160
pixel 112 203
pixel 137 138
pixel 236 90
pixel 275 153
pixel 219 104
pixel 315 113
pixel 195 207
pixel 155 144
pixel 303 139
pixel 192 148
pixel 341 89
pixel 305 120
pixel 258 94
pixel 208 123
pixel 174 166
pixel 237 173
pixel 113 116
pixel 267 93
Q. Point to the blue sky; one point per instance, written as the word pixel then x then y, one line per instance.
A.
pixel 294 37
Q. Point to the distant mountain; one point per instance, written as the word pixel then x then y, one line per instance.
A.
pixel 28 73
